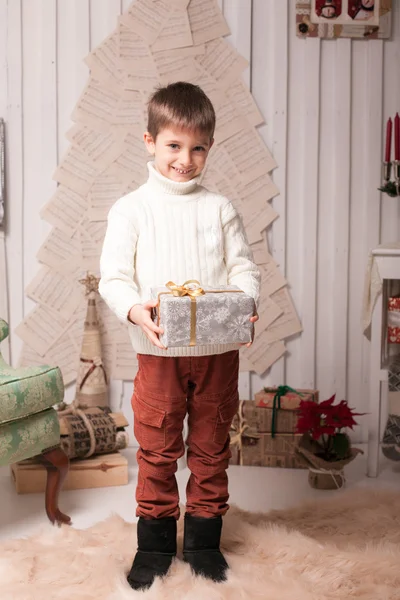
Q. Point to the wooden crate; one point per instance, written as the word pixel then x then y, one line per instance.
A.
pixel 103 470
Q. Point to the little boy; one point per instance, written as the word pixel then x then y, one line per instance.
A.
pixel 173 229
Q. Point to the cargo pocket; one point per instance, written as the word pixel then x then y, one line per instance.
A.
pixel 226 412
pixel 149 425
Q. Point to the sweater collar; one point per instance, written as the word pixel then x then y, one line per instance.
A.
pixel 164 185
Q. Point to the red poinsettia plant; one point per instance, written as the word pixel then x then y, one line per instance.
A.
pixel 323 424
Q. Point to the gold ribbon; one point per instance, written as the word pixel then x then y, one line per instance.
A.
pixel 241 432
pixel 193 293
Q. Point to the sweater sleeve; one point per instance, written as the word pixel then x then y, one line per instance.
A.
pixel 242 270
pixel 117 260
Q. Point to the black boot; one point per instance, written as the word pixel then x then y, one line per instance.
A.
pixel 201 547
pixel 156 550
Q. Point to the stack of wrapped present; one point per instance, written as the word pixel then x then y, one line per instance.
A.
pixel 264 430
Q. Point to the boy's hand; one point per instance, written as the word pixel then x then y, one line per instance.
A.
pixel 140 314
pixel 252 320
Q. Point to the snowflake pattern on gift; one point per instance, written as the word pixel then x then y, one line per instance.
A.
pixel 221 318
pixel 221 314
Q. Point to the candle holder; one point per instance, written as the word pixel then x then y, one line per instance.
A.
pixel 396 166
pixel 389 186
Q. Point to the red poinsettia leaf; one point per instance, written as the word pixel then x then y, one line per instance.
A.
pixel 327 403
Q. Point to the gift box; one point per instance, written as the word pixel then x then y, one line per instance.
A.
pixel 252 441
pixel 394 321
pixel 267 451
pixel 280 408
pixel 254 448
pixel 194 316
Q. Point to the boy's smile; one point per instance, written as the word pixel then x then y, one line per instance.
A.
pixel 179 154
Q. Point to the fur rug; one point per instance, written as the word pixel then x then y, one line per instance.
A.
pixel 346 547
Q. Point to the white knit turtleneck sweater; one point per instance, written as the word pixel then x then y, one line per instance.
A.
pixel 172 231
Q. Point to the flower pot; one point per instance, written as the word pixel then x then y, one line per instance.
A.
pixel 322 474
pixel 331 480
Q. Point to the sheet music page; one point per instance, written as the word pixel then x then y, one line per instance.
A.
pixel 206 21
pixel 144 79
pixel 189 51
pixel 288 323
pixel 75 172
pixel 229 121
pixel 222 62
pixel 216 182
pixel 130 115
pixel 60 251
pixel 256 219
pixel 249 154
pixel 91 245
pixel 271 279
pixel 239 94
pixel 268 312
pixel 101 148
pixel 262 355
pixel 144 20
pixel 54 290
pixel 96 106
pixel 172 67
pixel 64 210
pixel 221 160
pixel 125 362
pixel 176 32
pixel 41 329
pixel 103 61
pixel 105 191
pixel 134 54
pixel 257 191
pixel 65 354
pixel 261 253
pixel 132 164
pixel 179 4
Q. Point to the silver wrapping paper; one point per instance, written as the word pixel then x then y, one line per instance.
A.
pixel 221 318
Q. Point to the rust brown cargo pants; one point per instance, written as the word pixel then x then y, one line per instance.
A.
pixel 166 389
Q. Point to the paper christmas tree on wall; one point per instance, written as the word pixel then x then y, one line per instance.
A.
pixel 155 42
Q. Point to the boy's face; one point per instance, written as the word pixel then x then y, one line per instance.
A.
pixel 179 154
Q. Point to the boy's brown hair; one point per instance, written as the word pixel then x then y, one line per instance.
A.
pixel 181 104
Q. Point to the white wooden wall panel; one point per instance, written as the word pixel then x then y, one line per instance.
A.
pixel 39 132
pixel 324 104
pixel 73 44
pixel 238 14
pixel 269 88
pixel 341 213
pixel 15 169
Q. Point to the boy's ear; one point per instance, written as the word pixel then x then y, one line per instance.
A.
pixel 149 142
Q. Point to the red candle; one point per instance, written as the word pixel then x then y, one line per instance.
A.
pixel 397 137
pixel 388 140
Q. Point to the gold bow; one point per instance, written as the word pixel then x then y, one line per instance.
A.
pixel 240 432
pixel 184 290
pixel 193 293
